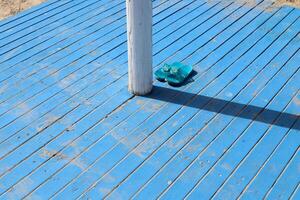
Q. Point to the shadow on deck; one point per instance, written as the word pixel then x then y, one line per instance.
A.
pixel 246 111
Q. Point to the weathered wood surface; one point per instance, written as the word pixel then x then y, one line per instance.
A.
pixel 70 129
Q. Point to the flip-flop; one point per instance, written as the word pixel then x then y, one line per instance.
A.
pixel 162 73
pixel 178 74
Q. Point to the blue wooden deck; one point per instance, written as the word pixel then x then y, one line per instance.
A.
pixel 69 129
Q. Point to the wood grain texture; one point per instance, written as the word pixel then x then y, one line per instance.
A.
pixel 139 39
pixel 69 128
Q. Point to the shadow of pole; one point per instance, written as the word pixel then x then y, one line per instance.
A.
pixel 245 111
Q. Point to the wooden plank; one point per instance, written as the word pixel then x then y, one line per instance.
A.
pixel 161 180
pixel 107 107
pixel 27 15
pixel 59 97
pixel 130 163
pixel 75 87
pixel 89 27
pixel 12 103
pixel 216 172
pixel 48 21
pixel 50 93
pixel 296 193
pixel 12 35
pixel 71 27
pixel 69 60
pixel 278 177
pixel 225 161
pixel 247 170
pixel 90 127
pixel 45 69
pixel 161 133
pixel 219 39
pixel 180 161
pixel 264 147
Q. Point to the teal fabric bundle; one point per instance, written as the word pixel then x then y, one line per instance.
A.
pixel 175 74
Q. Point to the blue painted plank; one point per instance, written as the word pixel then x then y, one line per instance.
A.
pixel 60 97
pixel 82 143
pixel 90 27
pixel 168 173
pixel 46 22
pixel 284 161
pixel 45 70
pixel 221 172
pixel 116 180
pixel 72 27
pixel 34 25
pixel 157 181
pixel 241 146
pixel 220 39
pixel 15 71
pixel 71 128
pixel 296 193
pixel 105 108
pixel 15 115
pixel 212 15
pixel 40 110
pixel 246 172
pixel 144 173
pixel 56 64
pixel 26 15
pixel 30 44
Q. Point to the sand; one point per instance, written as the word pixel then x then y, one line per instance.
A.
pixel 277 3
pixel 12 7
pixel 293 3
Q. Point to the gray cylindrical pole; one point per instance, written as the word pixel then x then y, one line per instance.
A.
pixel 139 34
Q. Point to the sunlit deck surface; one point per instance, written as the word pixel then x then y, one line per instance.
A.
pixel 70 129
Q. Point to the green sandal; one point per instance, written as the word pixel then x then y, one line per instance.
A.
pixel 178 74
pixel 162 73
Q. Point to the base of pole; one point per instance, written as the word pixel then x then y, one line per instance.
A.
pixel 139 92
